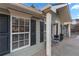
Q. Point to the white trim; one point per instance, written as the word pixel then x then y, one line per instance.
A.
pixel 10 33
pixel 19 5
pixel 19 48
pixel 69 30
pixel 48 33
pixel 65 23
pixel 59 6
pixel 26 8
pixel 20 32
pixel 21 17
pixel 47 6
pixel 53 8
pixel 29 32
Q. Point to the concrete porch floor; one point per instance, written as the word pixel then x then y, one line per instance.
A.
pixel 68 47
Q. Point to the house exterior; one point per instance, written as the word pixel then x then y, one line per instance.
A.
pixel 75 26
pixel 57 17
pixel 26 30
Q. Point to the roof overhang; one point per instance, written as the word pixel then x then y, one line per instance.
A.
pixel 53 8
pixel 21 8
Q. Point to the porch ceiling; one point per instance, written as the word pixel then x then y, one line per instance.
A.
pixel 64 14
pixel 61 9
pixel 54 7
pixel 22 8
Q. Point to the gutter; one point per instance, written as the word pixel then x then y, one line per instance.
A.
pixel 26 8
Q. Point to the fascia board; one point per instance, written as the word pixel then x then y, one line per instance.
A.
pixel 47 6
pixel 59 6
pixel 26 8
pixel 53 9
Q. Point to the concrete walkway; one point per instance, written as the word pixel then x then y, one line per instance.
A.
pixel 68 47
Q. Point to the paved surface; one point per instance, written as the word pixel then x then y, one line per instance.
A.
pixel 68 47
pixel 40 53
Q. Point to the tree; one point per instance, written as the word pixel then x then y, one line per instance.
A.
pixel 32 6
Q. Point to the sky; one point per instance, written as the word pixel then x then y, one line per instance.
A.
pixel 73 7
pixel 37 5
pixel 74 10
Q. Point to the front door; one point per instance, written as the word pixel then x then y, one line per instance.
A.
pixel 4 34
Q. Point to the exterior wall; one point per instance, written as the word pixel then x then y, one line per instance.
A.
pixel 64 15
pixel 55 19
pixel 65 30
pixel 30 50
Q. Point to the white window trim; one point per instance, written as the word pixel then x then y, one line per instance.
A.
pixel 10 33
pixel 19 48
pixel 19 33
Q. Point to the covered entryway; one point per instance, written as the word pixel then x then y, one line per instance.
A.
pixel 55 20
pixel 4 34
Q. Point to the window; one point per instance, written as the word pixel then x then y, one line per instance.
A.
pixel 20 32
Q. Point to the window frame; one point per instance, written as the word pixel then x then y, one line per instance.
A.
pixel 12 33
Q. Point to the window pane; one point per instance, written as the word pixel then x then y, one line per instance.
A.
pixel 26 28
pixel 26 42
pixel 14 45
pixel 21 28
pixel 15 37
pixel 26 36
pixel 14 24
pixel 14 21
pixel 15 29
pixel 26 22
pixel 21 22
pixel 21 43
pixel 21 36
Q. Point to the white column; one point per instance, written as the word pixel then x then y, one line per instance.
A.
pixel 37 31
pixel 59 29
pixel 69 30
pixel 48 34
